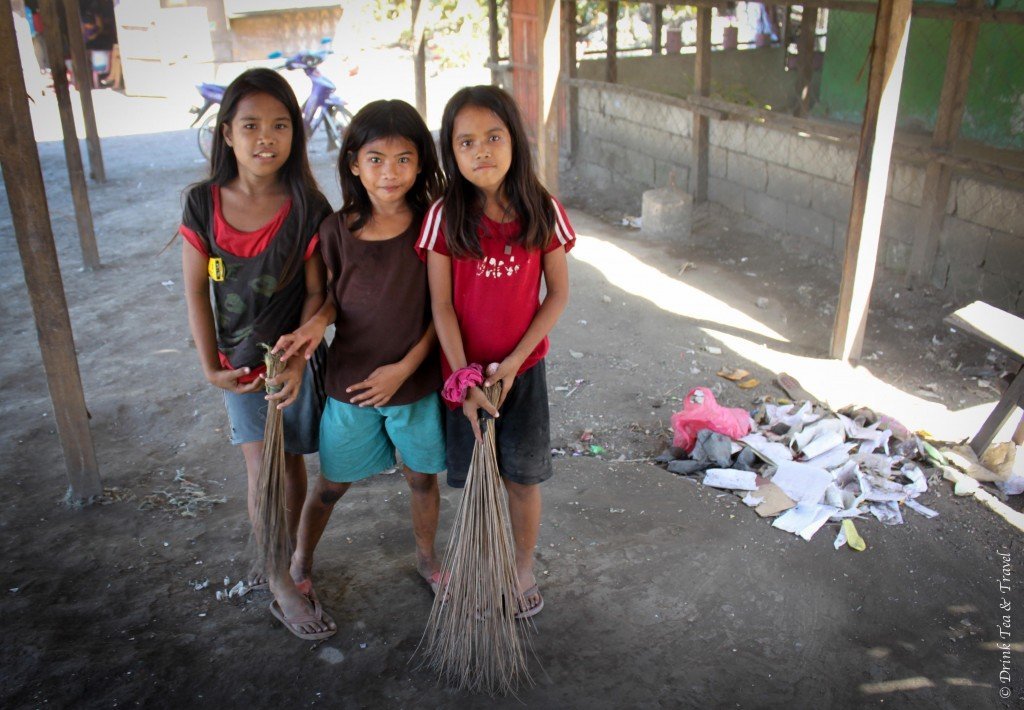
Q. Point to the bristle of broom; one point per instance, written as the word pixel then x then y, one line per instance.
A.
pixel 472 639
pixel 270 526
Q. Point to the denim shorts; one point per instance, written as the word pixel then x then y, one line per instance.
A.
pixel 358 442
pixel 248 414
pixel 522 434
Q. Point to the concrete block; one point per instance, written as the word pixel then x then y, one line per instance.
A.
pixel 597 176
pixel 640 167
pixel 1000 291
pixel 831 198
pixel 731 135
pixel 766 209
pixel 726 193
pixel 667 213
pixel 808 223
pixel 1005 256
pixel 839 234
pixel 589 100
pixel 990 205
pixel 844 162
pixel 790 185
pixel 663 172
pixel 752 173
pixel 618 105
pixel 895 255
pixel 719 162
pixel 900 221
pixel 907 183
pixel 822 159
pixel 768 144
pixel 963 242
pixel 678 121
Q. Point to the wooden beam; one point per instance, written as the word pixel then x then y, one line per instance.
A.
pixel 492 41
pixel 572 97
pixel 805 57
pixel 701 123
pixel 72 18
pixel 419 59
pixel 938 175
pixel 1000 413
pixel 611 65
pixel 657 26
pixel 26 195
pixel 871 177
pixel 54 34
pixel 549 67
pixel 935 12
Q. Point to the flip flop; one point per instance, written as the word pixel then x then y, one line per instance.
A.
pixel 258 586
pixel 534 610
pixel 294 623
pixel 790 385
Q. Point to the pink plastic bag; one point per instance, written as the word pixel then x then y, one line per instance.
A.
pixel 701 411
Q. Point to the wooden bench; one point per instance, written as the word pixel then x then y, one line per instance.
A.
pixel 1004 332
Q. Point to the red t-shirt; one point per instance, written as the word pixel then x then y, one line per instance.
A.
pixel 243 244
pixel 497 297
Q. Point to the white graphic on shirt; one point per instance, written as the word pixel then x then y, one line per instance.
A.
pixel 491 268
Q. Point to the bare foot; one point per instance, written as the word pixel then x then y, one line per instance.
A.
pixel 531 594
pixel 429 569
pixel 294 605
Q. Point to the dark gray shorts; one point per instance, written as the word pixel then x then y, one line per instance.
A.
pixel 248 413
pixel 522 431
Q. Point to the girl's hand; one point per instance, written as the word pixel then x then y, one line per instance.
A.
pixel 228 380
pixel 474 402
pixel 504 372
pixel 290 381
pixel 306 338
pixel 380 386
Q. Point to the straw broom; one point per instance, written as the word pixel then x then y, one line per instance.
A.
pixel 472 639
pixel 270 525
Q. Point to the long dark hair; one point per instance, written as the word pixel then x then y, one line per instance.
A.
pixel 528 201
pixel 295 173
pixel 387 119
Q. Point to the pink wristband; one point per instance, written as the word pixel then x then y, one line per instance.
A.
pixel 460 381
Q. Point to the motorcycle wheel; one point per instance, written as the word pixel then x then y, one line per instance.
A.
pixel 336 123
pixel 205 135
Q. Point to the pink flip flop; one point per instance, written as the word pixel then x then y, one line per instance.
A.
pixel 294 623
pixel 533 610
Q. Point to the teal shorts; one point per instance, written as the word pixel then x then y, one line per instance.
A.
pixel 358 442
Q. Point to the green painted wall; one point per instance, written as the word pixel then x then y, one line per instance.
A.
pixel 995 103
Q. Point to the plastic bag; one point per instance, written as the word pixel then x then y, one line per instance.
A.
pixel 701 411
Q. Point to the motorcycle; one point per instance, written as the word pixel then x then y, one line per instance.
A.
pixel 321 107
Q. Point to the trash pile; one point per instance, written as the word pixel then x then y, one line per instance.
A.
pixel 805 465
pixel 188 501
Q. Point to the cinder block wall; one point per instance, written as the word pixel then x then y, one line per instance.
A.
pixel 801 186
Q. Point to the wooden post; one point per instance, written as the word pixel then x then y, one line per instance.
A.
pixel 657 23
pixel 549 66
pixel 26 196
pixel 805 57
pixel 885 76
pixel 492 40
pixel 569 33
pixel 701 125
pixel 419 61
pixel 611 64
pixel 83 75
pixel 938 176
pixel 55 43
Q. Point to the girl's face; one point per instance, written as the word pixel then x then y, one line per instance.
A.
pixel 260 134
pixel 387 168
pixel 483 148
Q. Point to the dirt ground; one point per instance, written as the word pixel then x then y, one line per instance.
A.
pixel 658 593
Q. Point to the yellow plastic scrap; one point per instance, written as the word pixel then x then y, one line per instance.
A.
pixel 853 538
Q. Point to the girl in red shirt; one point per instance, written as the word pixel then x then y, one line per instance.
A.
pixel 496 232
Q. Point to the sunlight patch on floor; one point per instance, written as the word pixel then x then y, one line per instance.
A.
pixel 630 274
pixel 839 384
